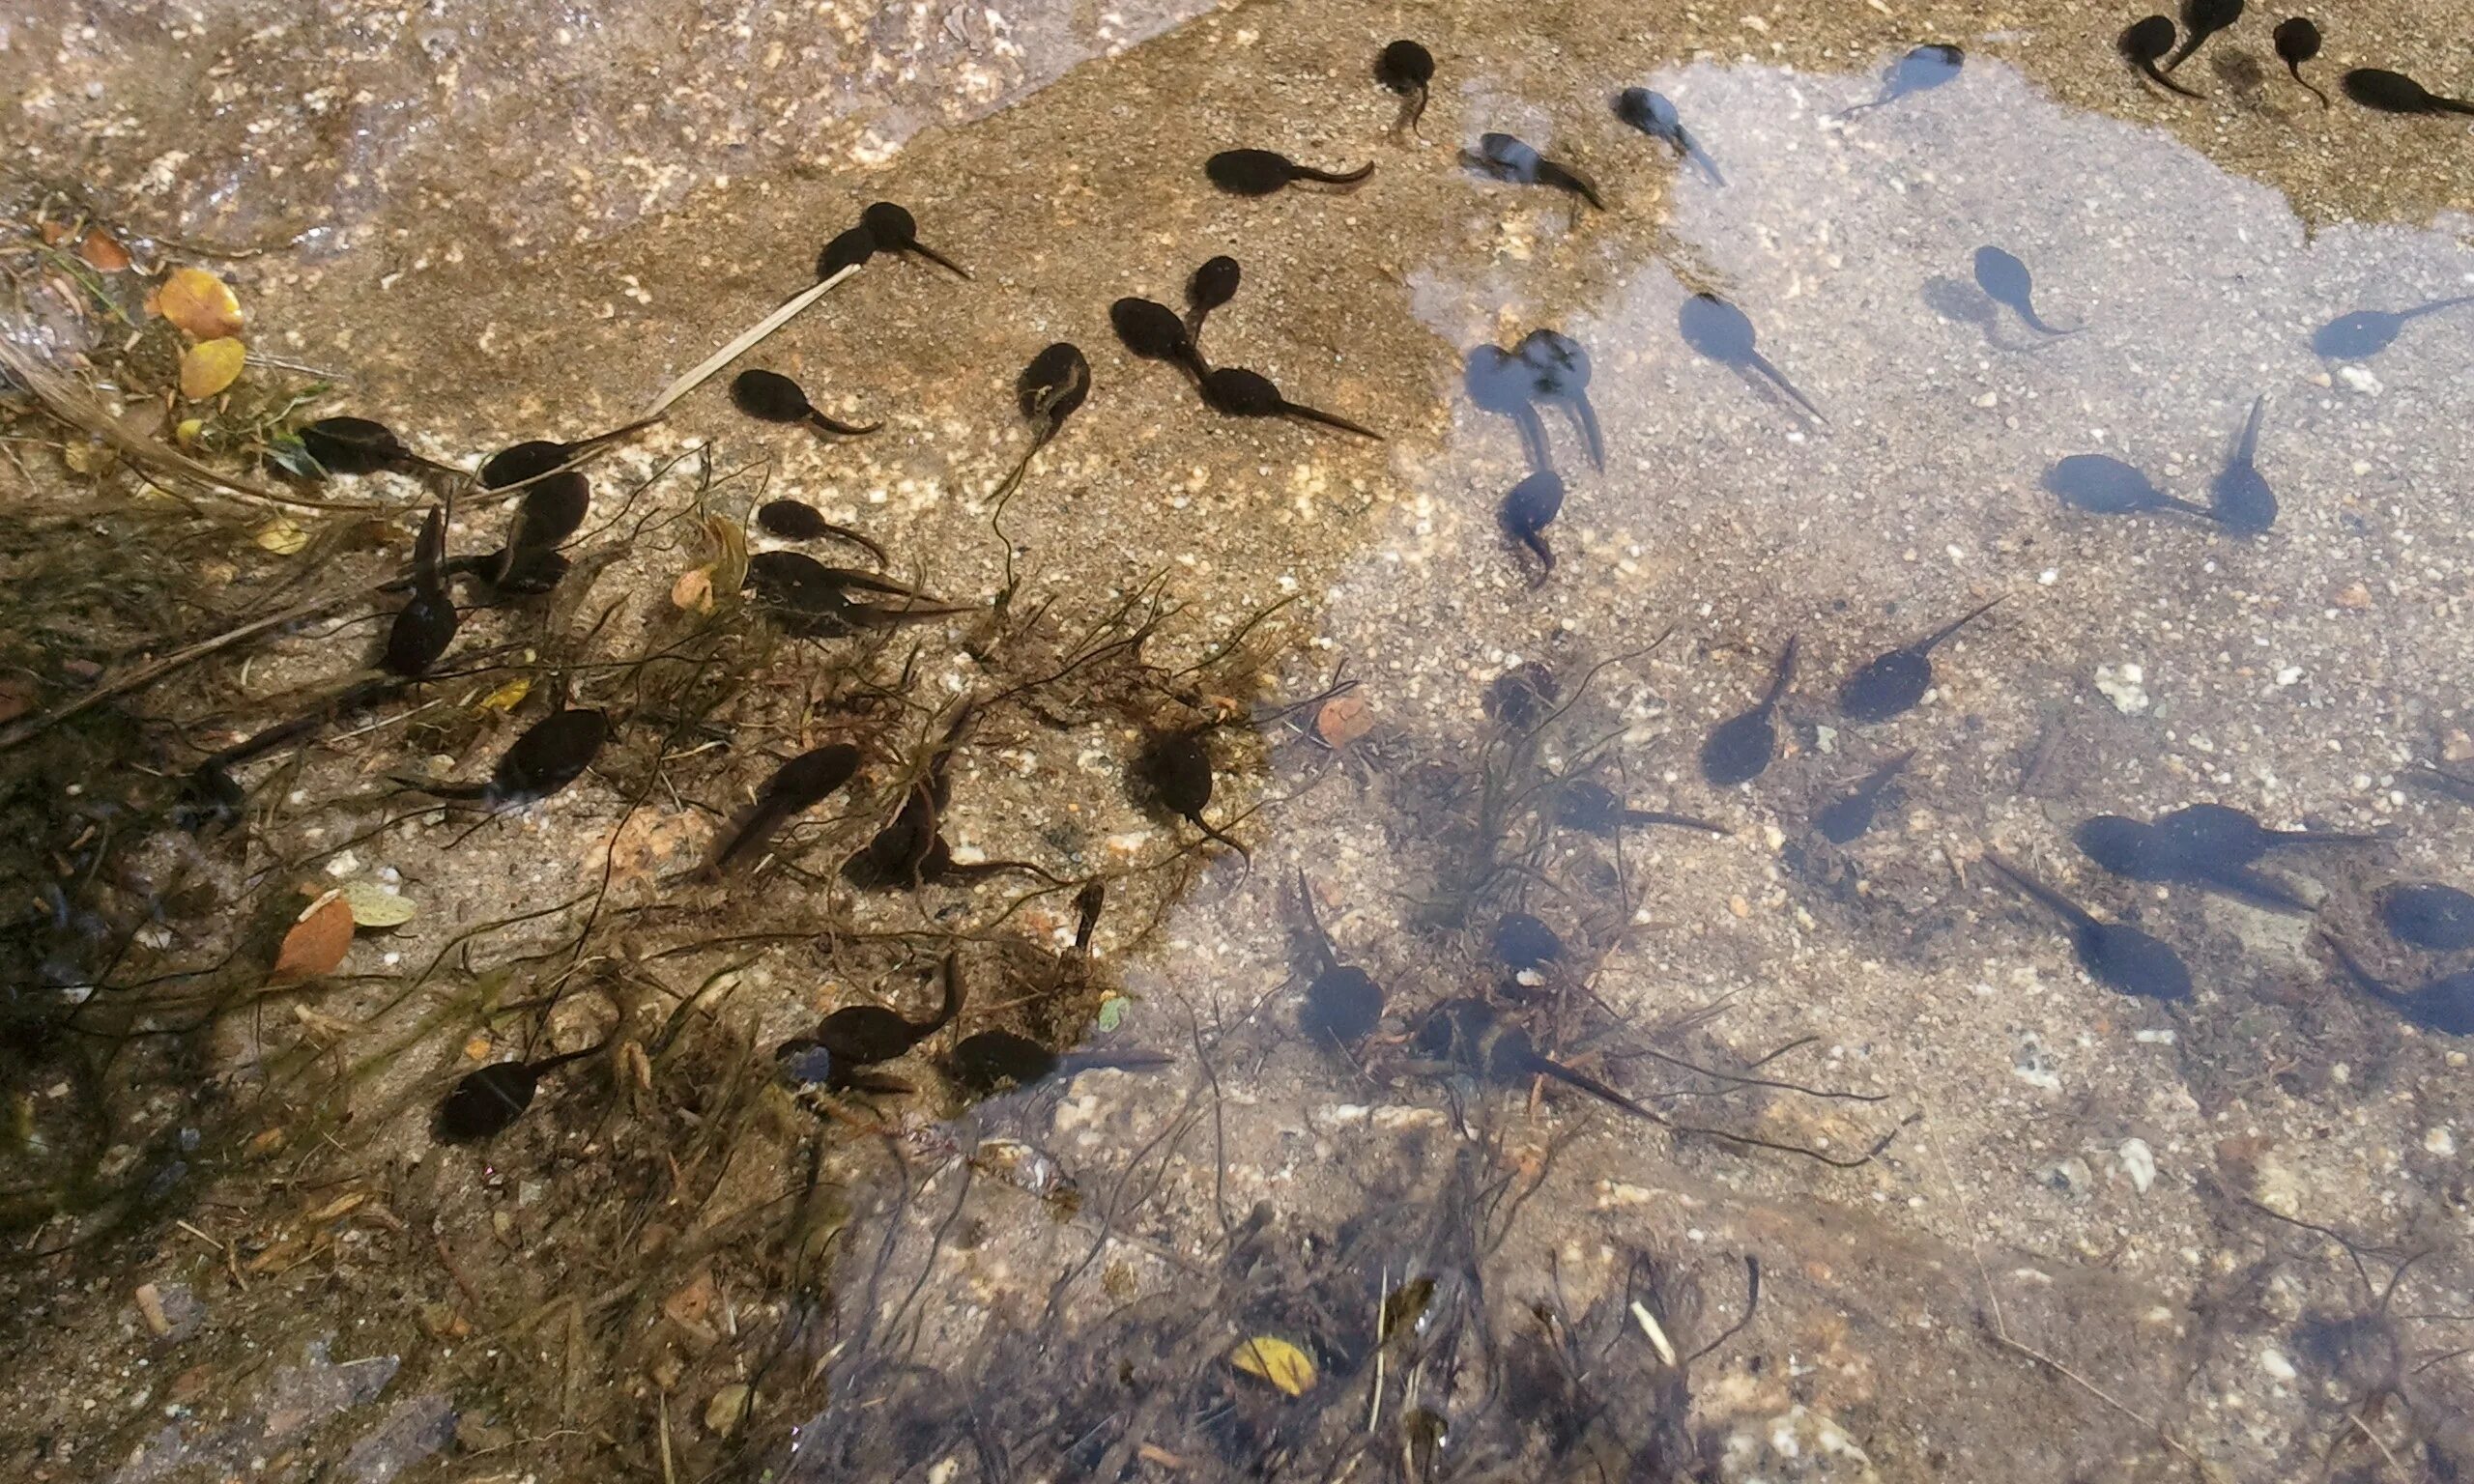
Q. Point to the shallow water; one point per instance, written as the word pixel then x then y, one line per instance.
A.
pixel 1053 1283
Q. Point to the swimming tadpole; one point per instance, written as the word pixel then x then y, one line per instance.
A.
pixel 1530 507
pixel 1845 820
pixel 2297 42
pixel 770 396
pixel 2385 91
pixel 1507 157
pixel 795 520
pixel 1151 329
pixel 2101 484
pixel 1173 768
pixel 793 788
pixel 1500 382
pixel 2006 281
pixel 540 458
pixel 2219 836
pixel 1049 388
pixel 552 753
pixel 1654 115
pixel 425 625
pixel 1343 1004
pixel 1724 333
pixel 1468 1033
pixel 2366 332
pixel 2445 1004
pixel 1213 284
pixel 892 228
pixel 2116 955
pixel 2201 20
pixel 1738 749
pixel 487 1099
pixel 1407 69
pixel 810 600
pixel 2136 851
pixel 1521 696
pixel 1262 172
pixel 2144 43
pixel 2239 497
pixel 1892 683
pixel 990 1062
pixel 358 446
pixel 1585 805
pixel 1559 373
pixel 1921 70
pixel 1237 392
pixel 858 1036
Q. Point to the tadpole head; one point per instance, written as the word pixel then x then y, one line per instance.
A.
pixel 768 396
pixel 1242 393
pixel 847 249
pixel 891 226
pixel 1053 385
pixel 1149 329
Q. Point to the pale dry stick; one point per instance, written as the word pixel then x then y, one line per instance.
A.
pixel 713 364
pixel 2375 1442
pixel 2001 1336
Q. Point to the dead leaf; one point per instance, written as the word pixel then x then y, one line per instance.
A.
pixel 150 1307
pixel 507 696
pixel 693 592
pixel 211 366
pixel 1276 1361
pixel 318 942
pixel 281 537
pixel 17 697
pixel 729 545
pixel 692 1301
pixel 101 253
pixel 340 1206
pixel 200 304
pixel 375 906
pixel 1343 719
pixel 723 1413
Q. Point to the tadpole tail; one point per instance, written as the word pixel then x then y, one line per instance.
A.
pixel 2295 67
pixel 1783 673
pixel 2327 837
pixel 2033 321
pixel 1536 541
pixel 762 824
pixel 1112 1060
pixel 552 1063
pixel 952 1003
pixel 859 539
pixel 1933 640
pixel 1849 113
pixel 2164 501
pixel 1585 418
pixel 2149 70
pixel 1199 824
pixel 1551 173
pixel 939 259
pixel 2437 305
pixel 1700 156
pixel 1087 903
pixel 1678 821
pixel 1412 109
pixel 1300 410
pixel 2362 976
pixel 586 445
pixel 838 428
pixel 1532 436
pixel 2452 104
pixel 2247 447
pixel 1546 1066
pixel 2190 43
pixel 1779 379
pixel 2244 884
pixel 2052 901
pixel 1356 177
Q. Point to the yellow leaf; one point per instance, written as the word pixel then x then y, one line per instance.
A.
pixel 374 906
pixel 210 366
pixel 507 696
pixel 186 435
pixel 281 537
pixel 202 305
pixel 1276 1362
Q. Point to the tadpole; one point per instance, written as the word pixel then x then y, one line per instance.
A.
pixel 1523 942
pixel 2144 43
pixel 1237 392
pixel 2386 92
pixel 794 787
pixel 1213 284
pixel 1174 768
pixel 892 229
pixel 2218 836
pixel 1654 115
pixel 1559 370
pixel 1891 684
pixel 1406 69
pixel 1739 748
pixel 425 625
pixel 552 753
pixel 1507 157
pixel 1921 70
pixel 1723 332
pixel 2298 41
pixel 1048 391
pixel 2201 20
pixel 2369 332
pixel 357 445
pixel 2240 497
pixel 770 396
pixel 990 1062
pixel 2006 281
pixel 859 1035
pixel 1585 805
pixel 534 458
pixel 2101 484
pixel 2445 1004
pixel 2139 851
pixel 2120 957
pixel 813 601
pixel 1261 172
pixel 1520 697
pixel 1343 1004
pixel 2429 915
pixel 1467 1033
pixel 1530 507
pixel 1846 818
pixel 1500 382
pixel 485 1100
pixel 795 520
pixel 1152 330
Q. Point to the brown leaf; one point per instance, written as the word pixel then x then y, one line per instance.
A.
pixel 202 305
pixel 1343 719
pixel 101 252
pixel 693 592
pixel 317 942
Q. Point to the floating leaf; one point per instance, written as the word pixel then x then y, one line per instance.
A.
pixel 101 253
pixel 202 305
pixel 508 696
pixel 375 906
pixel 1276 1362
pixel 1112 1012
pixel 210 366
pixel 317 942
pixel 281 537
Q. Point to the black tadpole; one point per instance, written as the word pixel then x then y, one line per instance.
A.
pixel 540 458
pixel 770 396
pixel 2006 281
pixel 1559 373
pixel 2298 41
pixel 2144 43
pixel 485 1100
pixel 552 753
pixel 1467 1033
pixel 1152 330
pixel 795 787
pixel 1654 115
pixel 1261 172
pixel 992 1061
pixel 1585 805
pixel 1846 818
pixel 2101 484
pixel 813 601
pixel 425 625
pixel 2445 1004
pixel 2369 332
pixel 1521 696
pixel 1500 382
pixel 794 519
pixel 1048 391
pixel 1174 768
pixel 1213 284
pixel 1343 1004
pixel 357 445
pixel 1921 70
pixel 2219 836
pixel 859 1035
pixel 2385 91
pixel 892 229
pixel 1889 684
pixel 1509 159
pixel 1528 509
pixel 1739 748
pixel 2120 957
pixel 2139 851
pixel 1239 393
pixel 2201 20
pixel 1723 332
pixel 2240 497
pixel 1406 69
